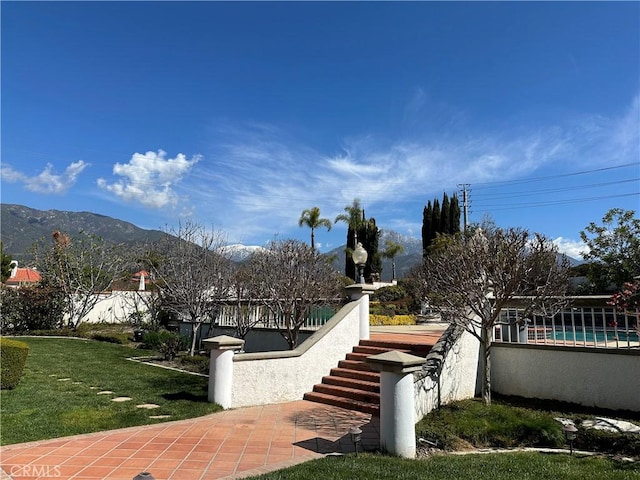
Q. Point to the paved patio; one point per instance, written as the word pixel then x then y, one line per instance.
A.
pixel 226 445
pixel 230 444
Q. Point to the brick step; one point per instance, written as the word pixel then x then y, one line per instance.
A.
pixel 375 350
pixel 358 357
pixel 354 365
pixel 418 349
pixel 349 393
pixel 347 403
pixel 353 383
pixel 356 374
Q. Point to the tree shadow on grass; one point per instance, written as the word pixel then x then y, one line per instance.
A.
pixel 189 396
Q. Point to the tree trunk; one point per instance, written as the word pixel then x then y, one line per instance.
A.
pixel 485 351
pixel 194 333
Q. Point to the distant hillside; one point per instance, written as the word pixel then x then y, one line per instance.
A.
pixel 22 226
pixel 411 256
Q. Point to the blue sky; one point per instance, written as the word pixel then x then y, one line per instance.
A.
pixel 240 115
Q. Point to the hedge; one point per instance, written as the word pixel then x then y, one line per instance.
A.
pixel 392 321
pixel 13 356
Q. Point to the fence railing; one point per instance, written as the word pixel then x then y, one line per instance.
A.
pixel 260 316
pixel 586 322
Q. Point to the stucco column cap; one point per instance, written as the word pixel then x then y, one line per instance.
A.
pixel 395 361
pixel 223 342
pixel 361 288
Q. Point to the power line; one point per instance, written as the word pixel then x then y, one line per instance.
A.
pixel 556 202
pixel 553 190
pixel 482 185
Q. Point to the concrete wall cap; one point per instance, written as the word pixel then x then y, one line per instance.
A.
pixel 223 342
pixel 360 288
pixel 395 361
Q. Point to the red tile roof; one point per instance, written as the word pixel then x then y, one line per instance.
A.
pixel 24 276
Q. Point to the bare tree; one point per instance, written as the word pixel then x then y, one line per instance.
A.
pixel 82 267
pixel 469 279
pixel 246 290
pixel 192 270
pixel 293 278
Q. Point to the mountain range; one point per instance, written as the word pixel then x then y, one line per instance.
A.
pixel 21 227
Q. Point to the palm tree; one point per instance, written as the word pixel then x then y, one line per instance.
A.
pixel 353 215
pixel 311 218
pixel 391 250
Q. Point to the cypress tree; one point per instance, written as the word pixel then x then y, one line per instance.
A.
pixel 427 212
pixel 435 220
pixel 439 219
pixel 454 216
pixel 445 223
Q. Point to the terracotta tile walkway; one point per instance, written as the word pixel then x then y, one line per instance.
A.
pixel 230 444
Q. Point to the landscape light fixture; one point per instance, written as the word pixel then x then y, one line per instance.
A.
pixel 570 432
pixel 144 476
pixel 356 437
pixel 359 257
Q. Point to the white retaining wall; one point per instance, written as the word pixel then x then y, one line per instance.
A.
pixel 450 377
pixel 116 306
pixel 275 377
pixel 605 378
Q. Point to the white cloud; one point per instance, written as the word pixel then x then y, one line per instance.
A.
pixel 265 179
pixel 46 181
pixel 150 178
pixel 572 248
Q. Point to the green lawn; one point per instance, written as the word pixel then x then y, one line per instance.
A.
pixel 501 466
pixel 58 394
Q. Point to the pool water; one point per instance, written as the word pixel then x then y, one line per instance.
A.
pixel 581 336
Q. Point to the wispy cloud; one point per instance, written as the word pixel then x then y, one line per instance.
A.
pixel 47 181
pixel 149 179
pixel 572 248
pixel 261 179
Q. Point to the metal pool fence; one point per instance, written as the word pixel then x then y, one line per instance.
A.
pixel 585 322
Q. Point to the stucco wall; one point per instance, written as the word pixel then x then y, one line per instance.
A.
pixel 115 307
pixel 606 378
pixel 449 373
pixel 274 377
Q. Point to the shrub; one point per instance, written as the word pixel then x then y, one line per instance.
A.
pixel 389 294
pixel 196 363
pixel 26 309
pixel 120 339
pixel 609 442
pixel 169 344
pixel 391 320
pixel 13 356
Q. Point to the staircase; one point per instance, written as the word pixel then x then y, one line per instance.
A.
pixel 353 385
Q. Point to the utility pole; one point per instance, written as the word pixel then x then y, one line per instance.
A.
pixel 465 203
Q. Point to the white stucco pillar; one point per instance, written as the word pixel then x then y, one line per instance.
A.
pixel 221 368
pixel 361 292
pixel 397 409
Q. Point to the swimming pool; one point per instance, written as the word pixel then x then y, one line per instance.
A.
pixel 590 336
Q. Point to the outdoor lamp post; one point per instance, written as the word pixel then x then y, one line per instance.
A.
pixel 144 476
pixel 570 432
pixel 356 437
pixel 359 257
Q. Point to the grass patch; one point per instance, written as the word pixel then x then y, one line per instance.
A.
pixel 513 422
pixel 504 466
pixel 58 392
